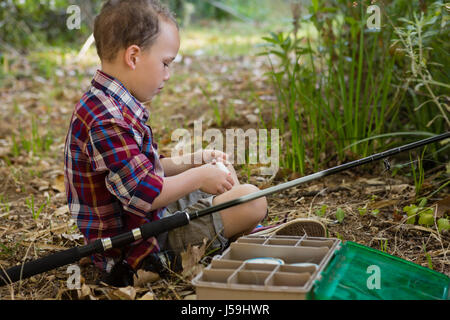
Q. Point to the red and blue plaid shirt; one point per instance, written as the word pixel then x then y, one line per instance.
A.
pixel 112 169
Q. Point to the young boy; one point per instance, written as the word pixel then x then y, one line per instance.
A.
pixel 115 179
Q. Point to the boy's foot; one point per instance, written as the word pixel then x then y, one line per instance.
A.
pixel 296 227
pixel 162 263
pixel 121 275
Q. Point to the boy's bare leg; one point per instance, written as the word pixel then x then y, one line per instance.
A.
pixel 243 218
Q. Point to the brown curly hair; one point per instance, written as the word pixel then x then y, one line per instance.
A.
pixel 122 23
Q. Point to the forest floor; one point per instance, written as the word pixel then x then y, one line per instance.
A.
pixel 34 218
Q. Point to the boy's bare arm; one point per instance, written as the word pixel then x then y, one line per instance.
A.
pixel 176 187
pixel 176 165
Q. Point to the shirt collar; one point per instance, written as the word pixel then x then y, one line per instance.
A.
pixel 117 90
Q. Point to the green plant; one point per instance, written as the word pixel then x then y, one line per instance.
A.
pixel 426 217
pixel 383 245
pixel 6 251
pixel 419 175
pixel 362 211
pixel 329 88
pixel 339 236
pixel 419 39
pixel 4 205
pixel 247 169
pixel 30 204
pixel 364 100
pixel 411 212
pixel 340 215
pixel 40 143
pixel 213 103
pixel 443 224
pixel 427 255
pixel 231 113
pixel 15 149
pixel 286 81
pixel 446 183
pixel 321 212
pixel 32 24
pixel 36 143
pixel 425 214
pixel 10 251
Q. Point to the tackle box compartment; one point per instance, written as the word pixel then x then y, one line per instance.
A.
pixel 343 270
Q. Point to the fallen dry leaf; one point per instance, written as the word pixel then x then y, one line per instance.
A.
pixel 400 188
pixel 191 258
pixel 84 291
pixel 127 293
pixel 443 207
pixel 58 183
pixel 40 184
pixel 72 237
pixel 62 211
pixel 252 118
pixel 147 296
pixel 373 181
pixel 382 204
pixel 143 277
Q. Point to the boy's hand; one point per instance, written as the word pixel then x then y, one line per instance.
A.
pixel 208 155
pixel 214 180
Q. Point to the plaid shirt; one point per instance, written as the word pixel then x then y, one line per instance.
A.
pixel 112 169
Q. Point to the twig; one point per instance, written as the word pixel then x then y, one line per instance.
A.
pixel 437 228
pixel 173 290
pixel 10 286
pixel 21 269
pixel 310 207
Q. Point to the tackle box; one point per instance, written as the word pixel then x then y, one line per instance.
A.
pixel 314 268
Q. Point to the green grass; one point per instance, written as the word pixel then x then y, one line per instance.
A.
pixel 35 213
pixel 427 255
pixel 224 39
pixel 33 142
pixel 419 173
pixel 383 245
pixel 5 206
pixel 340 88
pixel 330 92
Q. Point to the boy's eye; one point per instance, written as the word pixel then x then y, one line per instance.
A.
pixel 166 65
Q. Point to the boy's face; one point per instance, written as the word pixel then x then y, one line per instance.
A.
pixel 152 66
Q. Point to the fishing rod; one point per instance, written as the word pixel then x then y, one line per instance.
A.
pixel 179 219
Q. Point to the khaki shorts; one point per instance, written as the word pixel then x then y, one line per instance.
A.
pixel 209 227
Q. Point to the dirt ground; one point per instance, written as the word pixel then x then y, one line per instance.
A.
pixel 371 197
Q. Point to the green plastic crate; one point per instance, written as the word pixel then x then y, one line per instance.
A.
pixel 357 272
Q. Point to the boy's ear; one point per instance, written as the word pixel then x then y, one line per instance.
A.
pixel 132 55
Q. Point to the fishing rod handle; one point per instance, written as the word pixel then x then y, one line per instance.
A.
pixel 40 265
pixel 176 220
pixel 69 256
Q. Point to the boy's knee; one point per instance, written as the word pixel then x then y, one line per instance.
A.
pixel 258 207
